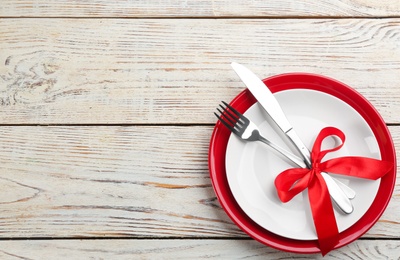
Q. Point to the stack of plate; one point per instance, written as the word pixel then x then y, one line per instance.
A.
pixel 243 173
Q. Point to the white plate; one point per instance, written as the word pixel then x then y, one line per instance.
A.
pixel 251 167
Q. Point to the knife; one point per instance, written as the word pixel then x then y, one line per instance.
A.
pixel 267 100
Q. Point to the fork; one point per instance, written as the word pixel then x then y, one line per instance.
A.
pixel 245 129
pixel 241 126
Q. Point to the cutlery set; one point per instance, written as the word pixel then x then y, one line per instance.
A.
pixel 242 127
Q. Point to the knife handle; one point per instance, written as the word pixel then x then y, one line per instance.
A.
pixel 336 192
pixel 350 193
pixel 305 153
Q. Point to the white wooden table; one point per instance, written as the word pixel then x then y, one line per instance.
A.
pixel 106 112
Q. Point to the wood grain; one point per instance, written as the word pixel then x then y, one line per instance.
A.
pixel 210 8
pixel 108 181
pixel 122 71
pixel 184 249
pixel 113 181
pixel 105 119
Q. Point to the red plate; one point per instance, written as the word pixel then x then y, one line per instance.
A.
pixel 243 101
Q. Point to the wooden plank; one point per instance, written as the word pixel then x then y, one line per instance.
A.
pixel 108 181
pixel 184 249
pixel 139 181
pixel 123 71
pixel 177 8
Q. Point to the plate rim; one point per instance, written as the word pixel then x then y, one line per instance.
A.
pixel 330 86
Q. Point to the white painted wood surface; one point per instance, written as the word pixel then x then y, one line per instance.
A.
pixel 195 8
pixel 183 249
pixel 105 122
pixel 175 71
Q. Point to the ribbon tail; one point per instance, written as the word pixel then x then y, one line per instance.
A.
pixel 323 214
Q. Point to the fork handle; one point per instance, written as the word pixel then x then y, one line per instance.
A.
pixel 299 162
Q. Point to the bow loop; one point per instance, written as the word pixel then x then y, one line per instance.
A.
pixel 316 154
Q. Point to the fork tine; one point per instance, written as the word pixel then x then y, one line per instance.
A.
pixel 230 127
pixel 240 115
pixel 229 115
pixel 230 120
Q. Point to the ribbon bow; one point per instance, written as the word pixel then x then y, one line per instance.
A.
pixel 291 182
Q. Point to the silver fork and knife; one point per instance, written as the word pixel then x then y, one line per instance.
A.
pixel 247 130
pixel 241 126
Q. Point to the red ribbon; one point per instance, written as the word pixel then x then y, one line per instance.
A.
pixel 291 182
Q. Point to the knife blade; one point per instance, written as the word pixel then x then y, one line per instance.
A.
pixel 267 100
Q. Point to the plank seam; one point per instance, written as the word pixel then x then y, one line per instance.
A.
pixel 208 17
pixel 120 124
pixel 164 238
pixel 129 124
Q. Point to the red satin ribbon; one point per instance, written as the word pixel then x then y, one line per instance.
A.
pixel 293 181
